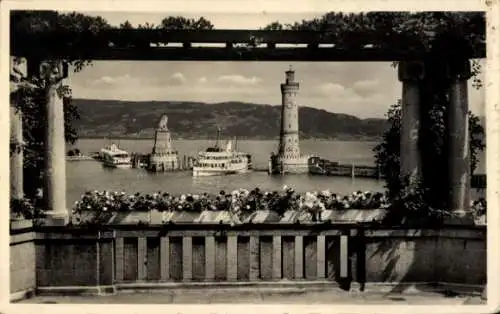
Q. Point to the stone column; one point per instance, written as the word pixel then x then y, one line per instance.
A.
pixel 55 147
pixel 16 135
pixel 16 156
pixel 410 73
pixel 458 136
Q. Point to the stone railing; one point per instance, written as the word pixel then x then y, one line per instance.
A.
pixel 132 256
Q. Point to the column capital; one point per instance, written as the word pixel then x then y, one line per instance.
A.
pixel 51 70
pixel 411 70
pixel 458 69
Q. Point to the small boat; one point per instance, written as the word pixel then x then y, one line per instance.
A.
pixel 219 161
pixel 114 157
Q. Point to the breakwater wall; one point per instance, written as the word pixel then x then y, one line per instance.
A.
pixel 69 259
pixel 185 163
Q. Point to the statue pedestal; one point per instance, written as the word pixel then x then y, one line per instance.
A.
pixel 163 157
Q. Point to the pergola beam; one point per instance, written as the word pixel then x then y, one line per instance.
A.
pixel 229 54
pixel 142 44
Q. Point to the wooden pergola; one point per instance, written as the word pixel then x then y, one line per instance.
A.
pixel 240 45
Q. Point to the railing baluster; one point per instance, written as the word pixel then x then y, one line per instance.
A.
pixel 187 258
pixel 321 257
pixel 276 257
pixel 209 258
pixel 299 257
pixel 254 258
pixel 232 258
pixel 141 258
pixel 344 256
pixel 165 258
pixel 119 259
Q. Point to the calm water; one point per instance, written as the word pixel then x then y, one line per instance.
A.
pixel 90 175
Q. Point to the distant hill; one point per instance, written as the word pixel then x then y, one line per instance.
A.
pixel 196 120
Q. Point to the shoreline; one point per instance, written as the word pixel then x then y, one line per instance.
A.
pixel 372 140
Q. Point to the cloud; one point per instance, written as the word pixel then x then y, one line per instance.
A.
pixel 177 79
pixel 366 87
pixel 202 80
pixel 239 80
pixel 337 92
pixel 331 88
pixel 112 80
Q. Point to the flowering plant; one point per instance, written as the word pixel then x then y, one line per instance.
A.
pixel 25 208
pixel 239 203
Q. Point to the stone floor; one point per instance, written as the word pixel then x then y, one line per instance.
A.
pixel 259 296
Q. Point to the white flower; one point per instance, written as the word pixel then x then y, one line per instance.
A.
pixel 183 197
pixel 104 208
pixel 248 206
pixel 88 206
pixel 123 193
pixel 76 202
pixel 285 187
pixel 179 207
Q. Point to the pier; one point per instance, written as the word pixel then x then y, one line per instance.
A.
pixel 141 160
pixel 323 168
pixel 318 166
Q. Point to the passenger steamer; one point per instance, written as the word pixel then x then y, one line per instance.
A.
pixel 114 157
pixel 218 161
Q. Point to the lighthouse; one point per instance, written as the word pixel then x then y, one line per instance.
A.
pixel 289 159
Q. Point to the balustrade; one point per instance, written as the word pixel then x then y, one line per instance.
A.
pixel 229 258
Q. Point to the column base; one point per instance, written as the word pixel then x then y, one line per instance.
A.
pixel 54 218
pixel 484 295
pixel 460 217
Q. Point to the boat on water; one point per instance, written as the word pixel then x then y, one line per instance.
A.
pixel 219 161
pixel 115 157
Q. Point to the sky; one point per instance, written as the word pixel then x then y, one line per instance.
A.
pixel 363 89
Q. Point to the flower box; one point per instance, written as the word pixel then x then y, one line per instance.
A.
pixel 20 223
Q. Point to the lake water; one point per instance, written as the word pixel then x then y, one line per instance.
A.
pixel 91 175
